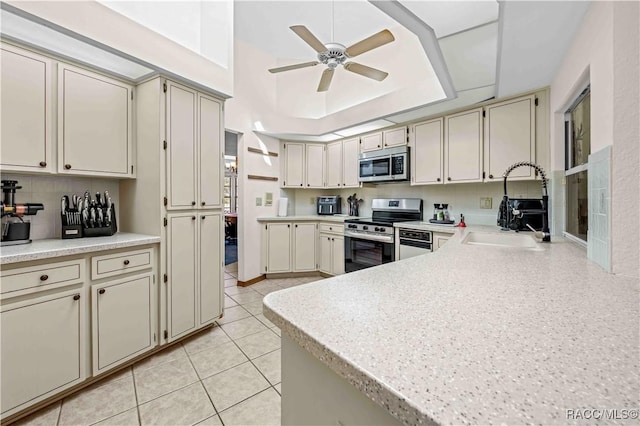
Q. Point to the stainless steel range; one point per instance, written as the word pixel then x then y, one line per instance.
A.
pixel 371 241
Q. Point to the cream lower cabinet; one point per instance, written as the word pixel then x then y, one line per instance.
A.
pixel 304 247
pixel 122 320
pixel 331 249
pixel 25 110
pixel 43 347
pixel 289 247
pixel 194 271
pixel 439 239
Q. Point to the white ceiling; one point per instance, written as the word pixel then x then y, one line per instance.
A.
pixel 490 49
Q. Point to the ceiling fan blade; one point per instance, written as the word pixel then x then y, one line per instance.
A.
pixel 325 80
pixel 309 38
pixel 370 43
pixel 294 66
pixel 366 71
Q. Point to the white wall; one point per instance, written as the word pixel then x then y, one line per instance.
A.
pixel 96 21
pixel 605 53
pixel 254 102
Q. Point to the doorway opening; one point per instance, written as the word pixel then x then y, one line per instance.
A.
pixel 230 200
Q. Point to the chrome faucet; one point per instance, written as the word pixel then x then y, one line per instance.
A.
pixel 508 217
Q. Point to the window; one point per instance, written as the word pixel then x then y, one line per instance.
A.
pixel 577 150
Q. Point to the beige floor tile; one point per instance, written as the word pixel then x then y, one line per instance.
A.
pixel 129 417
pixel 168 354
pixel 211 421
pixel 230 282
pixel 264 320
pixel 185 406
pixel 269 365
pixel 214 360
pixel 232 386
pixel 278 387
pixel 91 406
pixel 243 327
pixel 47 416
pixel 261 409
pixel 229 302
pixel 231 291
pixel 231 267
pixel 276 330
pixel 265 287
pixel 289 282
pixel 259 344
pixel 234 313
pixel 244 298
pixel 163 379
pixel 254 308
pixel 209 338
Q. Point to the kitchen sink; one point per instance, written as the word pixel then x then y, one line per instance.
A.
pixel 502 239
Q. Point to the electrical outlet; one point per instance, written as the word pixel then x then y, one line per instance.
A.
pixel 258 201
pixel 312 200
pixel 485 203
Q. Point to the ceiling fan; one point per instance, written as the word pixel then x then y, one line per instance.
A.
pixel 334 54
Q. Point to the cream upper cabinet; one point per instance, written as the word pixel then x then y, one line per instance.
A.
pixel 394 137
pixel 427 140
pixel 181 146
pixel 510 137
pixel 210 135
pixel 293 165
pixel 118 338
pixel 25 111
pixel 315 165
pixel 95 128
pixel 350 167
pixel 463 147
pixel 43 347
pixel 371 142
pixel 334 165
pixel 304 247
pixel 278 247
pixel 211 260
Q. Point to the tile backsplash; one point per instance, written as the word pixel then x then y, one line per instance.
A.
pixel 462 198
pixel 48 190
pixel 599 187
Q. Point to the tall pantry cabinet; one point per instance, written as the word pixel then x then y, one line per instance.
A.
pixel 178 196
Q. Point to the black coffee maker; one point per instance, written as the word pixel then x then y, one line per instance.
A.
pixel 14 229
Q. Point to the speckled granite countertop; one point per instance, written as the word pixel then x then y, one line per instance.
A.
pixel 44 249
pixel 307 218
pixel 476 335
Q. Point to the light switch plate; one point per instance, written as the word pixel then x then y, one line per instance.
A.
pixel 268 199
pixel 258 201
pixel 485 203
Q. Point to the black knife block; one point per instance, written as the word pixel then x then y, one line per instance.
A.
pixel 79 231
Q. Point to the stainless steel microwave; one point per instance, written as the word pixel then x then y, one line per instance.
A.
pixel 385 165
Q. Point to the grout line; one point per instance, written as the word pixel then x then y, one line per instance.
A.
pixel 60 412
pixel 135 391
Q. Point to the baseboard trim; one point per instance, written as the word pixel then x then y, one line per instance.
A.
pixel 294 274
pixel 252 281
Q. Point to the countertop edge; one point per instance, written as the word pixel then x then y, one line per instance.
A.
pixel 305 218
pixel 368 385
pixel 67 248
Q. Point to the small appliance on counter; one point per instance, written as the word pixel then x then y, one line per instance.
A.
pixel 532 213
pixel 441 214
pixel 87 217
pixel 14 229
pixel 329 205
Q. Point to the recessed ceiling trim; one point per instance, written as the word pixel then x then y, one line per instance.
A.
pixel 501 6
pixel 427 37
pixel 468 29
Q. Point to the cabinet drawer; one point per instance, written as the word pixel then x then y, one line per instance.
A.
pixel 120 263
pixel 31 279
pixel 331 227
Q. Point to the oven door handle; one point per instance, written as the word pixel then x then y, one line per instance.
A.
pixel 369 237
